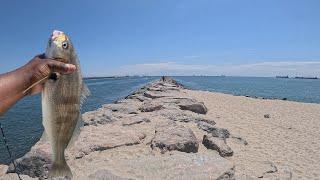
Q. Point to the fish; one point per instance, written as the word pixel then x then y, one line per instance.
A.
pixel 62 98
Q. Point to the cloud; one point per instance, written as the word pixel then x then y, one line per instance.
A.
pixel 311 68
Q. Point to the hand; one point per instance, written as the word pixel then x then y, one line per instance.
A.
pixel 40 67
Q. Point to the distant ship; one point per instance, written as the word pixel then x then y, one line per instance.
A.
pixel 301 77
pixel 282 76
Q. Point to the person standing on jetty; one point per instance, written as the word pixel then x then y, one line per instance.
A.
pixel 13 84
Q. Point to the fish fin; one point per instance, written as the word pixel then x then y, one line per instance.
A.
pixel 85 92
pixel 76 133
pixel 60 170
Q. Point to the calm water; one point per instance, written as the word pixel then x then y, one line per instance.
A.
pixel 302 90
pixel 22 124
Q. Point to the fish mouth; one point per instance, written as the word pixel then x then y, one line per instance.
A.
pixel 56 33
pixel 58 36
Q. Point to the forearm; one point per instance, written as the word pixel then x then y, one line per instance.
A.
pixel 12 85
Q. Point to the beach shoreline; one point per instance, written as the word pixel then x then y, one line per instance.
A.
pixel 234 136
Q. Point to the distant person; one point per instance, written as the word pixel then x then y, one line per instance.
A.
pixel 14 83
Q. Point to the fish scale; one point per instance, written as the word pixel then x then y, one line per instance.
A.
pixel 61 103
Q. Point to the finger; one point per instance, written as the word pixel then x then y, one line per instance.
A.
pixel 60 67
pixel 43 57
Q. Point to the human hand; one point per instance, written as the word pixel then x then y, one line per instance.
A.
pixel 40 67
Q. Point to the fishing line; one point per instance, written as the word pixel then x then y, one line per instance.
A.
pixel 8 150
pixel 2 132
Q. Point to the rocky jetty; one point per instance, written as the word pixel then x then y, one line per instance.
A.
pixel 157 132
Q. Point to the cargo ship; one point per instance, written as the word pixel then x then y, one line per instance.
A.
pixel 282 76
pixel 301 77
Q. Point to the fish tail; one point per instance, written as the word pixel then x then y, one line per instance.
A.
pixel 60 170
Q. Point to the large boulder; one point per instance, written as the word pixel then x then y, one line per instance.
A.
pixel 191 105
pixel 149 106
pixel 171 137
pixel 100 138
pixel 217 144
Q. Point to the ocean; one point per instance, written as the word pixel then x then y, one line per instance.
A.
pixel 23 127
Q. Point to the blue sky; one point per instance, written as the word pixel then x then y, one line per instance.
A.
pixel 173 37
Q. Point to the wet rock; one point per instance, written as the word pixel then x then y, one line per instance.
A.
pixel 171 137
pixel 217 144
pixel 150 106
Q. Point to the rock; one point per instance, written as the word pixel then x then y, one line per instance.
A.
pixel 104 175
pixel 100 138
pixel 153 95
pixel 178 116
pixel 220 132
pixel 184 116
pixel 35 163
pixel 240 139
pixel 171 137
pixel 122 108
pixel 176 165
pixel 139 97
pixel 228 175
pixel 134 120
pixel 205 126
pixel 149 107
pixel 100 117
pixel 192 105
pixel 217 144
pixel 266 116
pixel 261 169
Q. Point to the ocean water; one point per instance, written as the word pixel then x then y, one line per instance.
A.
pixel 301 90
pixel 23 128
pixel 23 123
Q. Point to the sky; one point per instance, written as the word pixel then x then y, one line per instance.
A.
pixel 169 37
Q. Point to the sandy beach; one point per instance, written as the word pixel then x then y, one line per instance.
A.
pixel 164 131
pixel 289 138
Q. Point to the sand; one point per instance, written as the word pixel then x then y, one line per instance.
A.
pixel 290 138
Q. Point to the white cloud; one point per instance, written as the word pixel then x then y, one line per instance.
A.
pixel 311 68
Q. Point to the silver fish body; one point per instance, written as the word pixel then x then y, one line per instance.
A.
pixel 61 103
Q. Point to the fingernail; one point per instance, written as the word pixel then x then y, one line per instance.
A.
pixel 70 67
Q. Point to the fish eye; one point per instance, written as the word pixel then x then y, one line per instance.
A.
pixel 65 45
